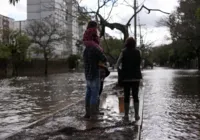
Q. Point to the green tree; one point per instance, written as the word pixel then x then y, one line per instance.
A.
pixel 5 52
pixel 18 46
pixel 112 48
pixel 176 54
pixel 23 43
pixel 14 47
pixel 185 26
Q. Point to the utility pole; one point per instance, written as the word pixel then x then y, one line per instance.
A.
pixel 135 21
pixel 140 26
pixel 20 27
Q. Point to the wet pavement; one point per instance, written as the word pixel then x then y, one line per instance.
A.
pixel 171 105
pixel 70 124
pixel 26 99
pixel 171 108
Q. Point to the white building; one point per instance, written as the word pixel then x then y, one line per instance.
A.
pixel 20 25
pixel 65 12
pixel 6 24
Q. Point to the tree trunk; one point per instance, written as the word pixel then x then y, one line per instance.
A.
pixel 14 66
pixel 45 64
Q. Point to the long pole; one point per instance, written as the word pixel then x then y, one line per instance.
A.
pixel 135 21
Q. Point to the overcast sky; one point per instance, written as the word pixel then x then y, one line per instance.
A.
pixel 120 14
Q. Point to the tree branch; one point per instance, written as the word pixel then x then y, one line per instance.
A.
pixel 111 9
pixel 149 11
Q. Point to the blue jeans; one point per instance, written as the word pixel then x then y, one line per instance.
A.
pixel 92 91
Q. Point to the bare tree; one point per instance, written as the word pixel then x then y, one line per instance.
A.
pixel 121 27
pixel 104 22
pixel 46 34
pixel 13 1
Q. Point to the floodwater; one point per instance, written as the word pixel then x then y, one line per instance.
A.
pixel 171 101
pixel 24 100
pixel 171 105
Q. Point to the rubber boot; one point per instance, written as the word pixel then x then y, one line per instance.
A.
pixel 98 111
pixel 136 107
pixel 87 111
pixel 93 112
pixel 126 111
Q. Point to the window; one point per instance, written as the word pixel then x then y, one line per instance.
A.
pixel 4 23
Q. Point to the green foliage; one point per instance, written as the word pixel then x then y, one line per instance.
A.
pixel 18 46
pixel 5 52
pixel 23 42
pixel 72 61
pixel 172 54
pixel 112 47
pixel 185 32
pixel 198 14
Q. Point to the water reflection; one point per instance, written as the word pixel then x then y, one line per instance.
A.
pixel 171 105
pixel 26 99
pixel 171 102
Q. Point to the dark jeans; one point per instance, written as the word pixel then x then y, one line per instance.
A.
pixel 128 86
pixel 92 91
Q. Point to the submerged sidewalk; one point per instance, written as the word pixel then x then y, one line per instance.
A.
pixel 68 123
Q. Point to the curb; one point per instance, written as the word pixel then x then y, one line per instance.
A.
pixel 139 123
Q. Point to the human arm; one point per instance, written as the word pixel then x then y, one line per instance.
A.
pixel 100 55
pixel 119 60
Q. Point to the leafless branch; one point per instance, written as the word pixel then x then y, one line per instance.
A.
pixel 45 33
pixel 149 11
pixel 113 4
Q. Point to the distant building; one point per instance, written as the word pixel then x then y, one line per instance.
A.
pixel 20 25
pixel 6 24
pixel 64 13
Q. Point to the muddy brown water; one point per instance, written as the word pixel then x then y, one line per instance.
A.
pixel 171 101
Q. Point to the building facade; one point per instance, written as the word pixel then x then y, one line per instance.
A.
pixel 65 12
pixel 6 25
pixel 20 25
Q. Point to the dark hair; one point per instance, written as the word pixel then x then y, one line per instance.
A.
pixel 130 43
pixel 92 24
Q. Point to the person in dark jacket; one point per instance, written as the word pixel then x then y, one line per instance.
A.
pixel 92 56
pixel 91 39
pixel 131 75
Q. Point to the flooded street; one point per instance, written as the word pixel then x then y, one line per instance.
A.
pixel 171 105
pixel 24 100
pixel 171 101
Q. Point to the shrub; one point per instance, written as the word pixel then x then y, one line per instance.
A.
pixel 72 61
